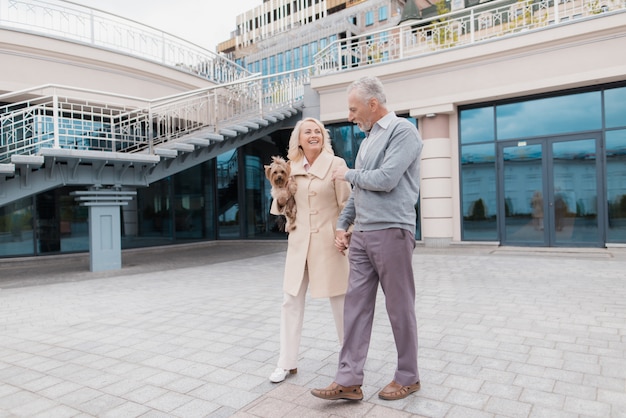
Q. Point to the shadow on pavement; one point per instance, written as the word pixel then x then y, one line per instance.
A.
pixel 33 271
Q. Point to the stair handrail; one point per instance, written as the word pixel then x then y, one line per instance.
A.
pixel 74 121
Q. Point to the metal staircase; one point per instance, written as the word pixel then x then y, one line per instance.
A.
pixel 53 135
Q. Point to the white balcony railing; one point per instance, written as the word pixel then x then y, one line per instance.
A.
pixel 71 21
pixel 463 27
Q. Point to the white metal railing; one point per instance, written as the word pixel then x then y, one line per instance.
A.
pixel 77 23
pixel 60 117
pixel 466 26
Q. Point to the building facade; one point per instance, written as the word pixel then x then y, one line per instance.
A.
pixel 523 117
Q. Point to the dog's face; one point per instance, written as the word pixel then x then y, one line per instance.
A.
pixel 278 172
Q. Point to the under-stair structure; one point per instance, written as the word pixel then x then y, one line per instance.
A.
pixel 53 136
pixel 56 137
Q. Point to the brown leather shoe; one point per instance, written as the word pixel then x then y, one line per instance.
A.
pixel 394 391
pixel 336 391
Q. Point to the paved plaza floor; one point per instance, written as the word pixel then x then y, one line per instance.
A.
pixel 193 331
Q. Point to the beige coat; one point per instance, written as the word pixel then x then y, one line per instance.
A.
pixel 319 200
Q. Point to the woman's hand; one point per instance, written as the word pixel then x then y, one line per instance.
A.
pixel 342 240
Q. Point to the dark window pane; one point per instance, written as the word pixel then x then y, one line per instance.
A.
pixel 616 185
pixel 478 183
pixel 16 228
pixel 615 113
pixel 228 195
pixel 189 204
pixel 477 125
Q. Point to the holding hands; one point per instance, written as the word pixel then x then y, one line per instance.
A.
pixel 342 240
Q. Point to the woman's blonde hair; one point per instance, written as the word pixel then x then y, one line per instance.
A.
pixel 295 153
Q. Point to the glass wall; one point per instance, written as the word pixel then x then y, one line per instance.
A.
pixel 227 197
pixel 616 185
pixel 17 228
pixel 555 125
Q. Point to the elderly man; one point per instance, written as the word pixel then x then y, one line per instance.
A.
pixel 381 210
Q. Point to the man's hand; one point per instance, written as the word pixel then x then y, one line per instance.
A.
pixel 342 240
pixel 340 173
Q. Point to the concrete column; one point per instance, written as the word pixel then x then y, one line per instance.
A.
pixel 436 181
pixel 105 238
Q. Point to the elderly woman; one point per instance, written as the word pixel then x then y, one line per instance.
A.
pixel 312 260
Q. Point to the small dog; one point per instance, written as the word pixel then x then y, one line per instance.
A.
pixel 283 189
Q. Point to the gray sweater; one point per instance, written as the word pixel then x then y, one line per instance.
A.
pixel 385 181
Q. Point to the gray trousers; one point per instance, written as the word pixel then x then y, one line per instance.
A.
pixel 384 257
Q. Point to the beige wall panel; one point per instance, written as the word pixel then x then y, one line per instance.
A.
pixel 433 168
pixel 435 187
pixel 436 148
pixel 436 228
pixel 436 208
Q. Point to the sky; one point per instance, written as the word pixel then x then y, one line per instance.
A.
pixel 203 22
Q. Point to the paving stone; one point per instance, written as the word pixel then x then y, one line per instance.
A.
pixel 500 334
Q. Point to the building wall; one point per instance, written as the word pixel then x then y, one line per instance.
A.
pixel 30 60
pixel 436 84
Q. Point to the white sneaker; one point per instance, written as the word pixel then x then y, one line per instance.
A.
pixel 280 374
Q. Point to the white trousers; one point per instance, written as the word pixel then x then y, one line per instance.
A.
pixel 292 318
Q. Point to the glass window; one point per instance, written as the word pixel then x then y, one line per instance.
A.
pixel 477 125
pixel 288 60
pixel 281 63
pixel 296 58
pixel 189 203
pixel 369 18
pixel 272 65
pixel 74 223
pixel 382 13
pixel 228 195
pixel 549 116
pixel 478 184
pixel 342 142
pixel 616 185
pixel 614 110
pixel 16 228
pixel 305 55
pixel 154 215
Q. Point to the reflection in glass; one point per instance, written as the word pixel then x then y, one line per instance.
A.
pixel 154 214
pixel 616 185
pixel 477 125
pixel 227 195
pixel 524 204
pixel 74 223
pixel 548 116
pixel 256 202
pixel 16 228
pixel 342 140
pixel 575 207
pixel 478 177
pixel 189 203
pixel 614 114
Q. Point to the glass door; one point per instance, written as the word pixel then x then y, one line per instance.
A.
pixel 550 192
pixel 575 192
pixel 522 190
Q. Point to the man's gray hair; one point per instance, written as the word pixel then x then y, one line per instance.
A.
pixel 369 87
